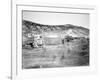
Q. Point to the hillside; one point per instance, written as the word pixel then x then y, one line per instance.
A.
pixel 46 46
pixel 68 28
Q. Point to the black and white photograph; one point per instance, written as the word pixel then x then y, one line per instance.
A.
pixel 54 39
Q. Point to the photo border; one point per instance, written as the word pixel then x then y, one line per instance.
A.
pixel 14 73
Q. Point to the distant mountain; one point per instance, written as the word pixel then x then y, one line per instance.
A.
pixel 67 29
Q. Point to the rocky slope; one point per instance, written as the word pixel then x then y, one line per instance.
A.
pixel 70 29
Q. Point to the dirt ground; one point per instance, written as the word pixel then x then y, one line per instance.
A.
pixel 54 56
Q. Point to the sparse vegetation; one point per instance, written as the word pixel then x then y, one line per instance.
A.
pixel 43 51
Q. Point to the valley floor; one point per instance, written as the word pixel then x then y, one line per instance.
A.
pixel 54 56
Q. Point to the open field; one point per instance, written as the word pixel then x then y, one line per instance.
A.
pixel 55 56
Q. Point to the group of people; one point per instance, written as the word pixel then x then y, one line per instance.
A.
pixel 33 41
pixel 38 41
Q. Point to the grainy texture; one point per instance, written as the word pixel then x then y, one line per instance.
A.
pixel 47 46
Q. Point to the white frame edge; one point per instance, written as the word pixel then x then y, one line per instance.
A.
pixel 14 33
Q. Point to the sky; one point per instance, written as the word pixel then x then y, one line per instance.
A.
pixel 52 18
